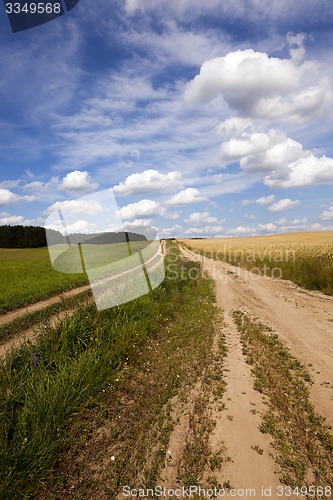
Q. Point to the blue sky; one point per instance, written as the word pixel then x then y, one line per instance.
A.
pixel 202 118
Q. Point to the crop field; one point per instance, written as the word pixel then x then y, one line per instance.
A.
pixel 304 258
pixel 28 276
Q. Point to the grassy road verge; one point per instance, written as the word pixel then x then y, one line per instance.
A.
pixel 62 398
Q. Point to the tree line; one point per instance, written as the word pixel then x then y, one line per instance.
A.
pixel 22 237
pixel 35 236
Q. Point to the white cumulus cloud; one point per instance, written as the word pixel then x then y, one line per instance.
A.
pixel 7 197
pixel 267 227
pixel 137 223
pixel 263 151
pixel 234 126
pixel 245 77
pixel 77 207
pixel 266 200
pixel 296 42
pixel 284 161
pixel 79 226
pixel 206 230
pixel 284 204
pixel 11 220
pixel 78 181
pixel 327 214
pixel 143 208
pixel 308 102
pixel 185 197
pixel 243 230
pixel 306 171
pixel 201 217
pixel 148 181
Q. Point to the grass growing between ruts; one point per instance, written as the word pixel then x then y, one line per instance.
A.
pixel 55 392
pixel 36 318
pixel 301 437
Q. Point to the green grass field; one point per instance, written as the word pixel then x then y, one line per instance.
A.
pixel 28 276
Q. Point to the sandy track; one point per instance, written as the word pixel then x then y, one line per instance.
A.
pixel 31 334
pixel 42 304
pixel 304 322
pixel 238 426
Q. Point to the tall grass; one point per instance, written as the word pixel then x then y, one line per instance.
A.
pixel 42 386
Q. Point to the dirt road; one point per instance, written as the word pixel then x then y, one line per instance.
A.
pixel 42 304
pixel 304 322
pixel 30 333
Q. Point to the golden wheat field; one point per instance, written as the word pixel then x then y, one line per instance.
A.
pixel 305 258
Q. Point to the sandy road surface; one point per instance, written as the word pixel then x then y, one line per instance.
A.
pixel 304 322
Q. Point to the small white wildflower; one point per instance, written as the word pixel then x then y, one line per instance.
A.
pixel 113 458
